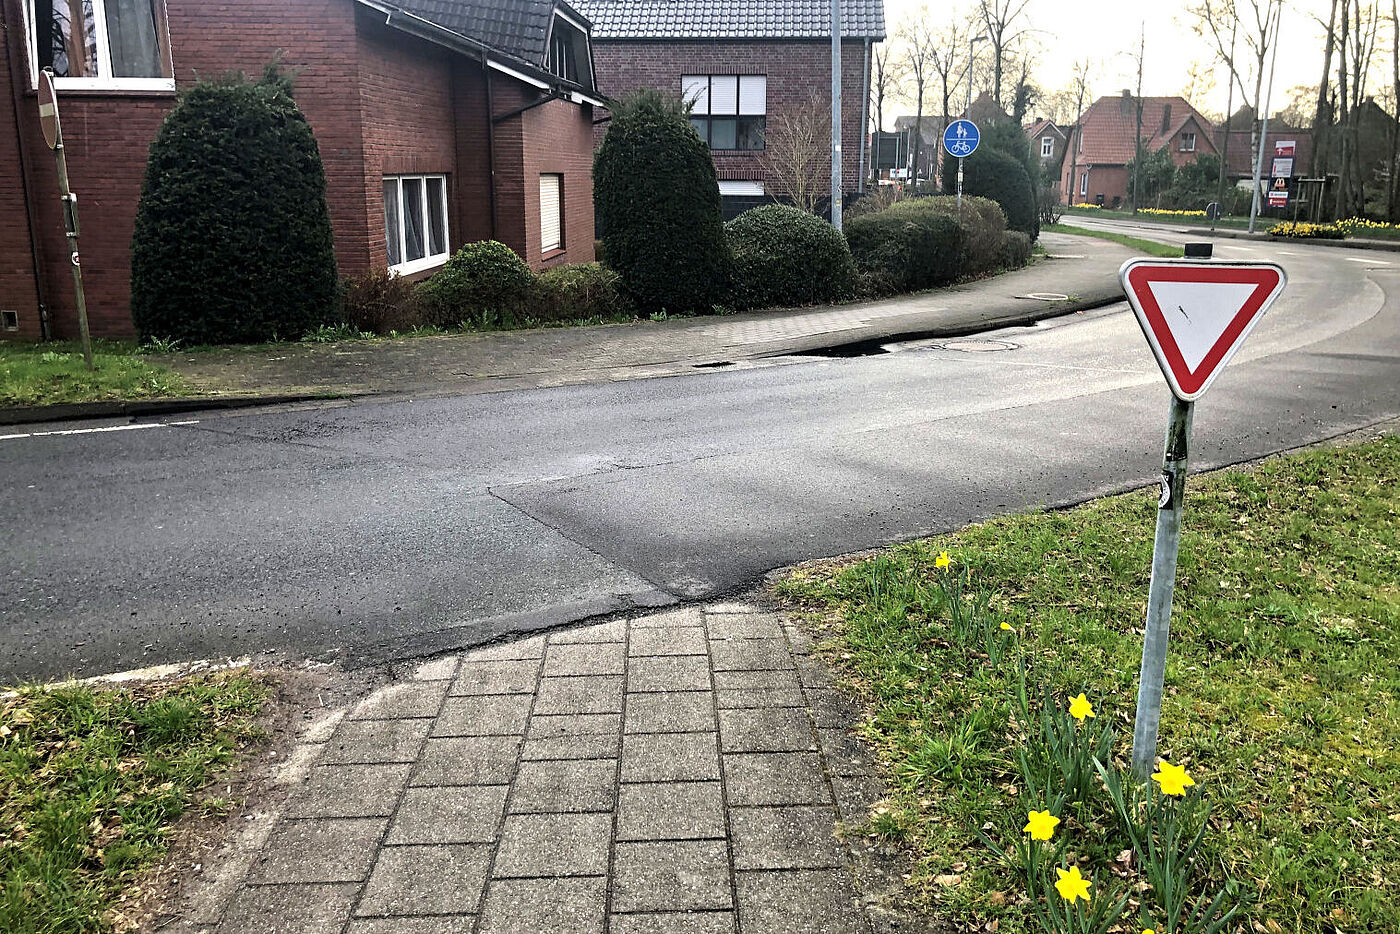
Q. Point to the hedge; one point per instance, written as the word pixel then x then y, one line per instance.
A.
pixel 905 249
pixel 786 256
pixel 989 173
pixel 983 225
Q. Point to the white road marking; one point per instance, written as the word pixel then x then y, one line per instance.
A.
pixel 1368 262
pixel 93 431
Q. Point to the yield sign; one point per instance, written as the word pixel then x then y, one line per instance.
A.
pixel 1197 314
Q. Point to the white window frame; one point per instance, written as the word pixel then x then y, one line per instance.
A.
pixel 546 249
pixel 104 81
pixel 1084 184
pixel 703 104
pixel 1047 147
pixel 431 260
pixel 1186 148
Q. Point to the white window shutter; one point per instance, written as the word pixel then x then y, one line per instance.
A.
pixel 551 214
pixel 696 90
pixel 753 95
pixel 724 94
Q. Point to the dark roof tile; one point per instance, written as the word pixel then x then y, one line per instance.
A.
pixel 731 19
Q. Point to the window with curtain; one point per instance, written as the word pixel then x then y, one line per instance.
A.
pixel 415 222
pixel 728 111
pixel 113 43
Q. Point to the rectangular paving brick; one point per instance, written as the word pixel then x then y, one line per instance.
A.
pixel 814 674
pixel 670 811
pixel 503 677
pixel 458 814
pixel 546 726
pixel 844 753
pixel 605 658
pixel 367 741
pixel 774 778
pixel 532 647
pixel 350 791
pixel 799 641
pixel 566 786
pixel 782 729
pixel 669 757
pixel 587 746
pixel 467 760
pixel 806 901
pixel 751 655
pixel 670 712
pixel 691 875
pixel 426 880
pixel 742 626
pixel 760 697
pixel 494 715
pixel 681 922
pixel 832 709
pixel 668 673
pixel 289 909
pixel 544 906
pixel 670 619
pixel 551 845
pixel 319 850
pixel 457 924
pixel 856 795
pixel 785 838
pixel 396 701
pixel 439 669
pixel 615 631
pixel 689 641
pixel 580 695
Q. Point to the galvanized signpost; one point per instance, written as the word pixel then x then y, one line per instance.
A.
pixel 960 139
pixel 53 135
pixel 1195 314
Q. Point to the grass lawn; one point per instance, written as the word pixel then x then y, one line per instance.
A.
pixel 1283 687
pixel 91 780
pixel 1150 247
pixel 45 374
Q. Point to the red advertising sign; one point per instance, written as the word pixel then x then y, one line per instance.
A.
pixel 1285 147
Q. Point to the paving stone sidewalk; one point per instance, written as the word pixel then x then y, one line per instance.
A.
pixel 685 771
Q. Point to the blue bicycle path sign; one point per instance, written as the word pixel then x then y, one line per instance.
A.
pixel 961 138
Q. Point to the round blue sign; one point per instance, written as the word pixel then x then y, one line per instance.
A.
pixel 961 138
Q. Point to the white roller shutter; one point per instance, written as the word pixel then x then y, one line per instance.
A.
pixel 753 95
pixel 551 213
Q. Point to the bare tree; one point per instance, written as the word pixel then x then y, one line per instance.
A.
pixel 950 58
pixel 1079 87
pixel 919 43
pixel 1323 116
pixel 1392 199
pixel 1000 21
pixel 1356 46
pixel 1200 82
pixel 886 79
pixel 797 152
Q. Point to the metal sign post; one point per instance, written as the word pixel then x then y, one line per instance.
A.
pixel 961 139
pixel 1195 315
pixel 53 135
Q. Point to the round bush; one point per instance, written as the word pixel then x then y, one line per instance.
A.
pixel 983 228
pixel 657 201
pixel 785 256
pixel 580 291
pixel 232 242
pixel 989 173
pixel 1015 250
pixel 904 249
pixel 484 284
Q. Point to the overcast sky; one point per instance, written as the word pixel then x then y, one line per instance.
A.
pixel 1106 31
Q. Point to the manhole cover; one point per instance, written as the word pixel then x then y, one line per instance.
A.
pixel 975 346
pixel 1046 296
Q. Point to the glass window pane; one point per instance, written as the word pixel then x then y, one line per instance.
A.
pixel 74 39
pixel 723 133
pixel 131 31
pixel 702 126
pixel 753 94
pixel 724 94
pixel 414 245
pixel 393 237
pixel 437 217
pixel 750 133
pixel 696 90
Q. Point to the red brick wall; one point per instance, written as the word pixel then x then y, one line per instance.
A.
pixel 18 288
pixel 795 69
pixel 1111 181
pixel 558 139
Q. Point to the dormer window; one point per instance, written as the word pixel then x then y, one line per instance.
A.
pixel 115 44
pixel 567 54
pixel 1188 142
pixel 1047 147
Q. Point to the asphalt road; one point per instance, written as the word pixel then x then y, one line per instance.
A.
pixel 369 532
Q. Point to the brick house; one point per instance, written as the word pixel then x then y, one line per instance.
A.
pixel 1105 143
pixel 439 123
pixel 1049 143
pixel 742 62
pixel 984 112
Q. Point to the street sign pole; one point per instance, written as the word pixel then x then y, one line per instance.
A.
pixel 1159 595
pixel 53 135
pixel 960 180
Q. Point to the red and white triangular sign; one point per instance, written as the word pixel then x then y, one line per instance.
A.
pixel 1196 314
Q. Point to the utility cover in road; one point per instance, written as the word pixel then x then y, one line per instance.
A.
pixel 961 138
pixel 1197 314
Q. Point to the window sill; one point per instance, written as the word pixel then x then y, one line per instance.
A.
pixel 553 256
pixel 137 87
pixel 419 265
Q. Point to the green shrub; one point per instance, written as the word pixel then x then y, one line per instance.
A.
pixel 785 256
pixel 232 240
pixel 380 302
pixel 579 292
pixel 1015 250
pixel 484 284
pixel 905 249
pixel 983 228
pixel 992 174
pixel 658 205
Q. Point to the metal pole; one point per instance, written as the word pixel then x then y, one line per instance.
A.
pixel 836 114
pixel 1159 595
pixel 70 223
pixel 1264 128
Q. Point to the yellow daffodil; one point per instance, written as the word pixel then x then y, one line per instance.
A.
pixel 942 561
pixel 1072 885
pixel 1148 931
pixel 1006 627
pixel 1079 708
pixel 1040 824
pixel 1172 778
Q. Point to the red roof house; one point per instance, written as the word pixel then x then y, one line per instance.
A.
pixel 1106 141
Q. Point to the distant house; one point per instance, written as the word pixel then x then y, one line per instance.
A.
pixel 743 63
pixel 984 112
pixel 439 123
pixel 1240 162
pixel 1106 143
pixel 1049 142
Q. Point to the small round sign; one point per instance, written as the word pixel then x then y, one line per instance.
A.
pixel 48 109
pixel 961 138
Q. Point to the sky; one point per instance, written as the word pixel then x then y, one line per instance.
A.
pixel 1107 32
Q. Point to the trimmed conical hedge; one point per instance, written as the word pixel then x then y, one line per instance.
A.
pixel 233 236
